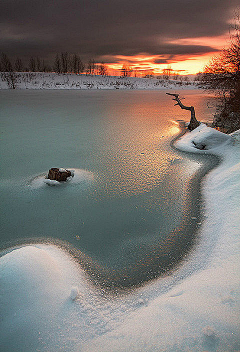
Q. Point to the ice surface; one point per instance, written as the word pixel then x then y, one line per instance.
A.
pixel 47 303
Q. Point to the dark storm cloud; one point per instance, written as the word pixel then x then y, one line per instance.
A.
pixel 98 28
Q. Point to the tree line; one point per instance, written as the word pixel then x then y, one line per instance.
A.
pixel 72 63
pixel 63 63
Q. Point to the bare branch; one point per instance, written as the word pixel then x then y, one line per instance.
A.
pixel 193 122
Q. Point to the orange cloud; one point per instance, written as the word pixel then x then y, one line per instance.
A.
pixel 182 64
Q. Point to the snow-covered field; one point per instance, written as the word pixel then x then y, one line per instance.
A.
pixel 41 80
pixel 48 304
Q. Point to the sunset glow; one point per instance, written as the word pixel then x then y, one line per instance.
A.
pixel 145 38
pixel 145 64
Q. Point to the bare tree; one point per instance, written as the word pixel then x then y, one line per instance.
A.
pixel 222 75
pixel 57 64
pixel 126 71
pixel 39 65
pixel 149 73
pixel 77 65
pixel 193 121
pixel 102 69
pixel 45 67
pixel 32 64
pixel 8 74
pixel 6 65
pixel 65 62
pixel 91 67
pixel 167 72
pixel 135 72
pixel 80 66
pixel 18 65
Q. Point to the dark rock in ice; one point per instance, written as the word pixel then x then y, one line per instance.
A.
pixel 59 174
pixel 200 146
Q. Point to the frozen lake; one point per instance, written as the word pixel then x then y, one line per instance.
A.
pixel 127 215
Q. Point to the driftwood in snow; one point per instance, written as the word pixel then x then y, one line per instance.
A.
pixel 194 123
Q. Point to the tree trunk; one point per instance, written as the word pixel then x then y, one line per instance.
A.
pixel 194 123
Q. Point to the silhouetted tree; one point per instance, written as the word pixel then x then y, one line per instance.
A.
pixel 32 64
pixel 39 65
pixel 80 66
pixel 135 72
pixel 126 71
pixel 6 65
pixel 102 69
pixel 167 72
pixel 222 75
pixel 91 67
pixel 65 62
pixel 45 67
pixel 8 74
pixel 149 73
pixel 77 65
pixel 18 65
pixel 57 64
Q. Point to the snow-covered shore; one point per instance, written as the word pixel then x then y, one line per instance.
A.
pixel 48 304
pixel 41 80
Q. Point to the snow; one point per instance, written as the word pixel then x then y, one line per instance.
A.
pixel 48 304
pixel 203 135
pixel 41 80
pixel 74 293
pixel 61 169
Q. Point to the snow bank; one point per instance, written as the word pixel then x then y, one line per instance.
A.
pixel 37 284
pixel 204 138
pixel 48 305
pixel 41 80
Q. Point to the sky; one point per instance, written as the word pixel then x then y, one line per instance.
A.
pixel 145 34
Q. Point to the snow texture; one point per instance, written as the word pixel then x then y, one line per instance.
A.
pixel 48 304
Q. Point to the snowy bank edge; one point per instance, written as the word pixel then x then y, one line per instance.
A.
pixel 38 80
